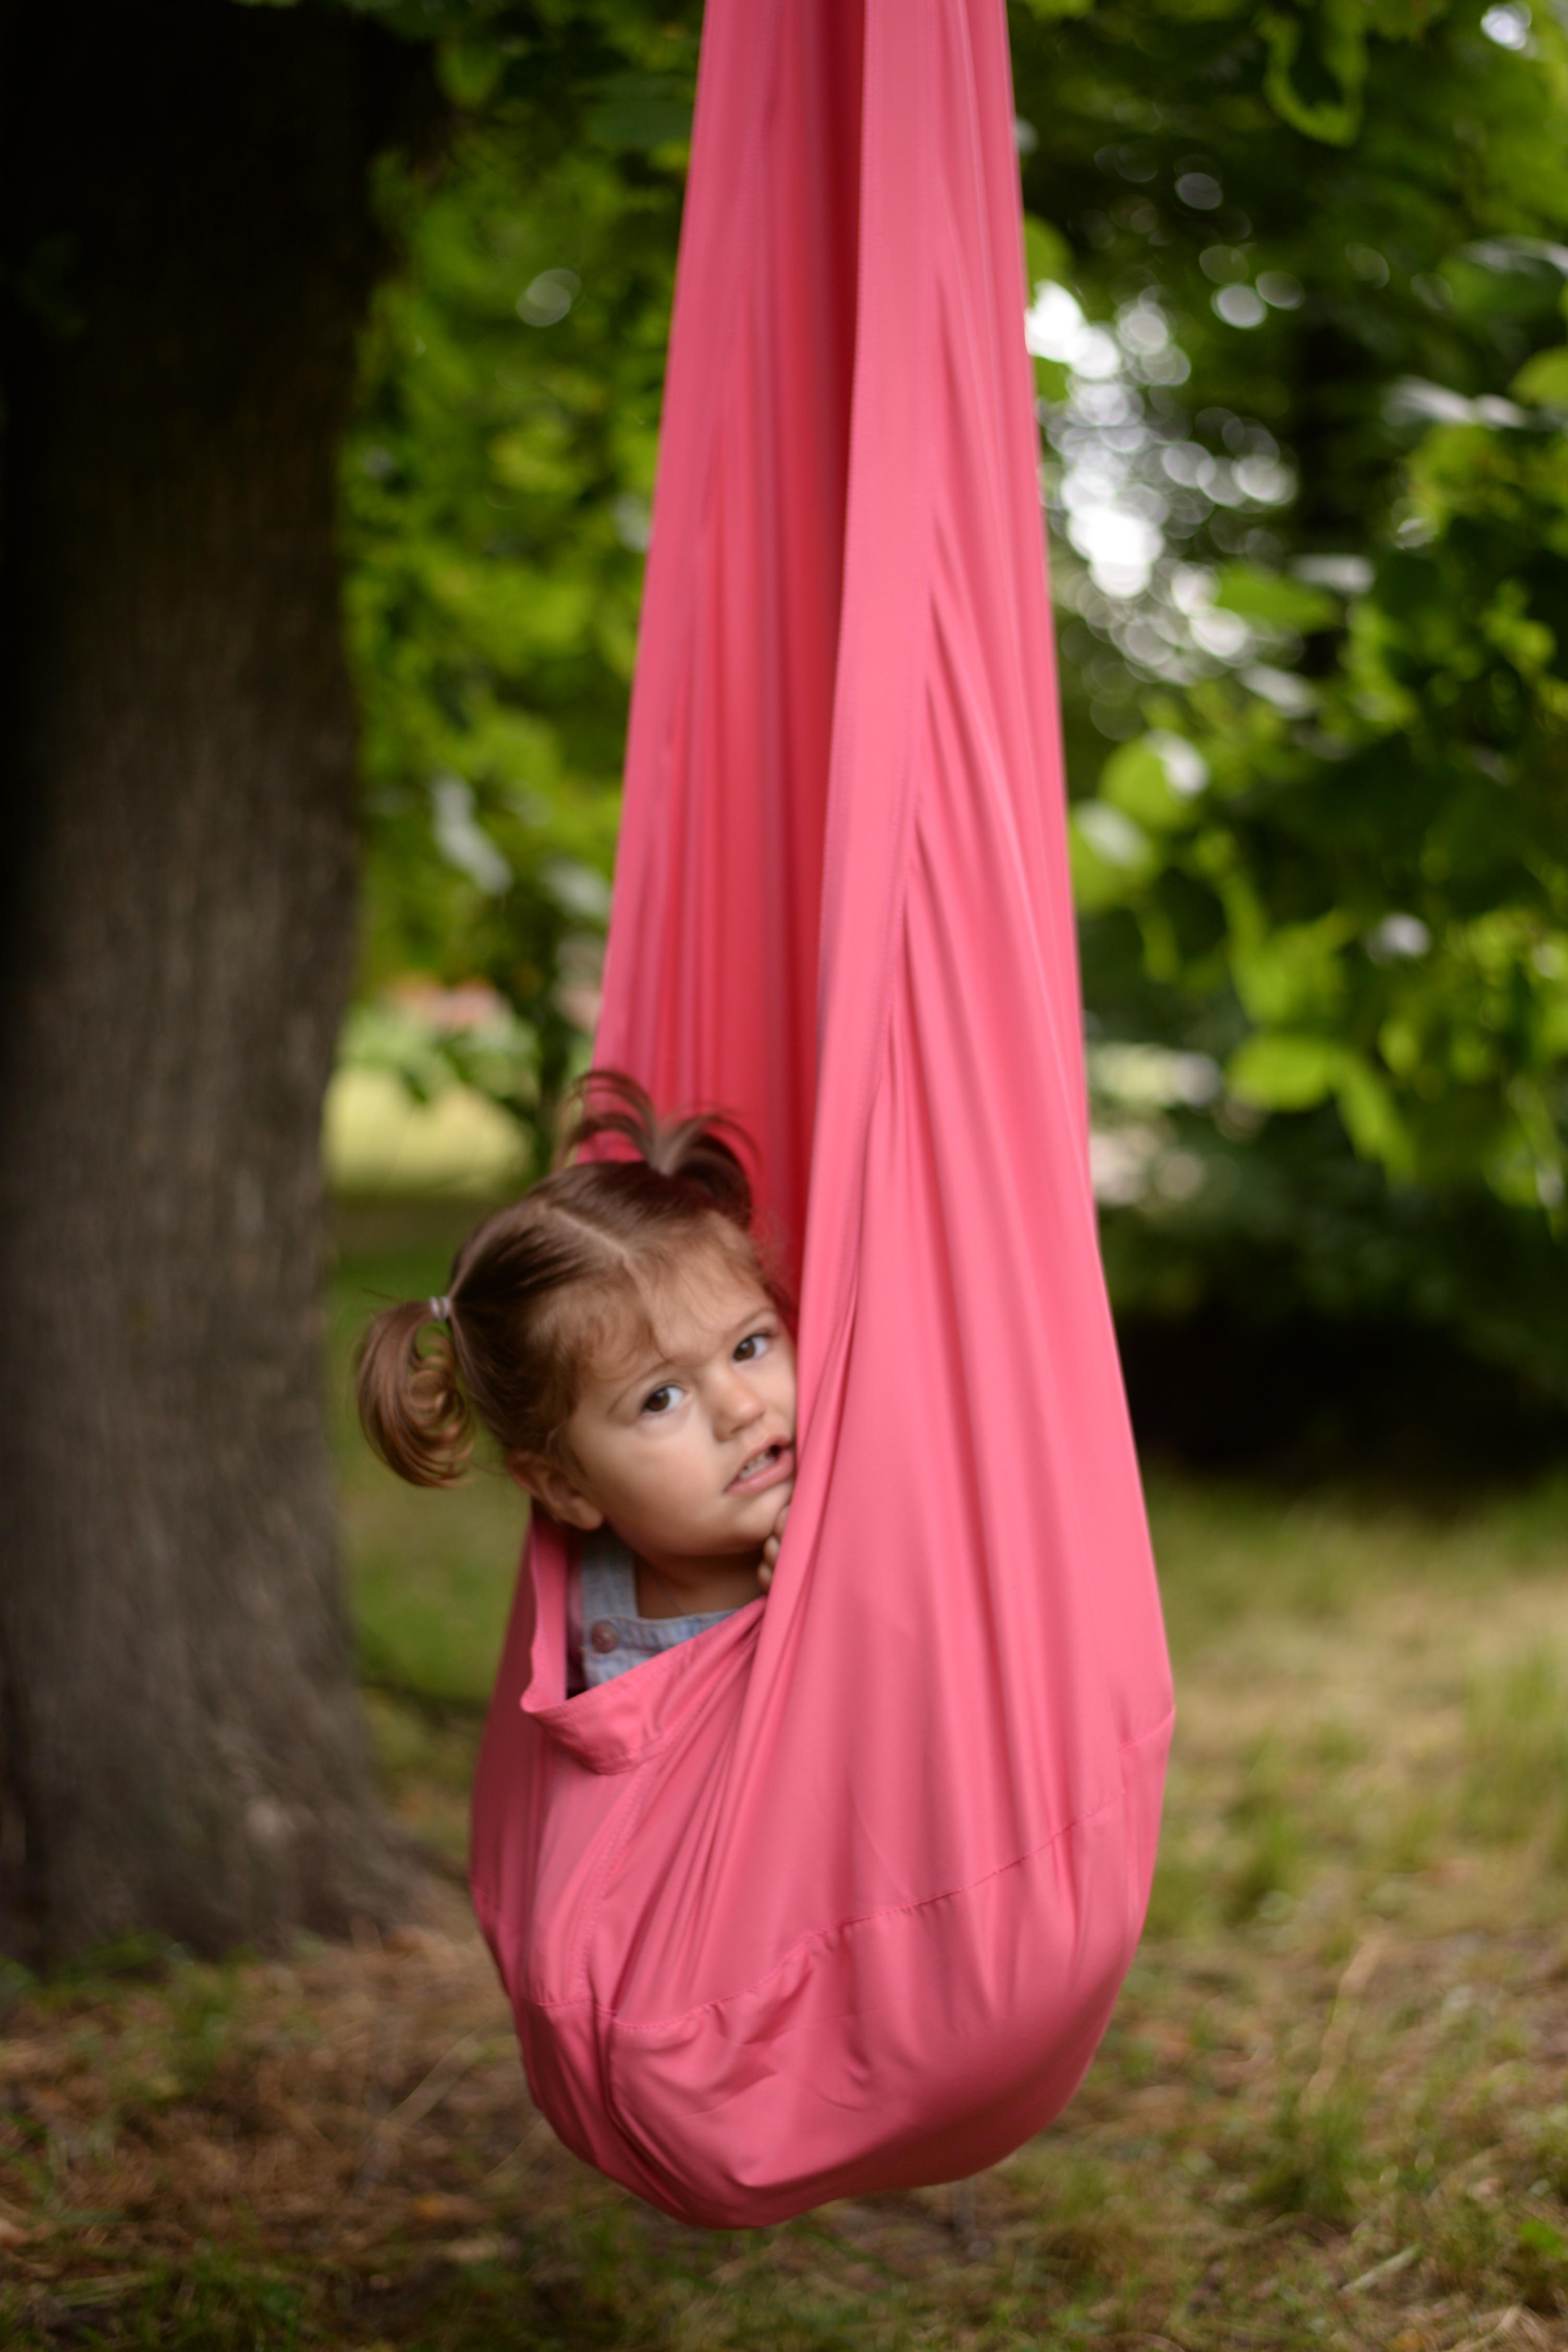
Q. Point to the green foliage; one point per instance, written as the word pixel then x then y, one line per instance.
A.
pixel 1417 808
pixel 493 1052
pixel 1303 372
pixel 497 488
pixel 1303 386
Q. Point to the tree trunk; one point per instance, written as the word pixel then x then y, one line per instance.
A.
pixel 189 252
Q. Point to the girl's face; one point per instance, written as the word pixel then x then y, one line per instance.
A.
pixel 684 1443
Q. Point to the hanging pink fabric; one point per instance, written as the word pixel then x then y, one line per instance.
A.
pixel 837 1897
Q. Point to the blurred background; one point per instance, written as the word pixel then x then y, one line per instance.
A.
pixel 1298 332
pixel 1298 308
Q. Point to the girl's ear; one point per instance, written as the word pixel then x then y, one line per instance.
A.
pixel 556 1489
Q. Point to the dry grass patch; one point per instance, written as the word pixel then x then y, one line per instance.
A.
pixel 1333 2108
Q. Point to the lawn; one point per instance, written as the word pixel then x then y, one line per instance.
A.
pixel 1332 2108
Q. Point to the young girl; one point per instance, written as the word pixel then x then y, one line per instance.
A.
pixel 616 1334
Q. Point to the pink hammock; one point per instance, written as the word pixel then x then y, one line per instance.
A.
pixel 837 1897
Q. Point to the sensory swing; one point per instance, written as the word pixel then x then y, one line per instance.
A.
pixel 837 1897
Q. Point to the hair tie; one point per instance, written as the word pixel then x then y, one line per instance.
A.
pixel 440 1310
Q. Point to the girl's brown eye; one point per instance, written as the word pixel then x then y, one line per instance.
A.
pixel 752 1347
pixel 661 1400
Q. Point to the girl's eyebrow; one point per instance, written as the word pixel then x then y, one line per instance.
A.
pixel 645 1372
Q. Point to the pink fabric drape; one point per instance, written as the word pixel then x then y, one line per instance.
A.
pixel 839 1895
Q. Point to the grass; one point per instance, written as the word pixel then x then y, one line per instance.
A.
pixel 1331 2109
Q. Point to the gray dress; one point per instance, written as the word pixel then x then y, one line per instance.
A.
pixel 605 1637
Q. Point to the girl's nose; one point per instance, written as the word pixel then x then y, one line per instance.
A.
pixel 736 1403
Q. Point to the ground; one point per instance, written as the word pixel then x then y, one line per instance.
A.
pixel 1332 2108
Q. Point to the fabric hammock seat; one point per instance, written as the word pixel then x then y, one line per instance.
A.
pixel 837 1895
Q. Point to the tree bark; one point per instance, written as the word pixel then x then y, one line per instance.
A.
pixel 189 251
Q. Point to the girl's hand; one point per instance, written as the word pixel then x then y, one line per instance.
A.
pixel 770 1550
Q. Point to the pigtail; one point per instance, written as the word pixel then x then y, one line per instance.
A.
pixel 693 1150
pixel 412 1407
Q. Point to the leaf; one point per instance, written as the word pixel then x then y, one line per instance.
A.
pixel 1278 1071
pixel 641 112
pixel 1053 379
pixel 1046 253
pixel 1136 780
pixel 1317 65
pixel 1294 970
pixel 1275 601
pixel 1111 857
pixel 1372 1120
pixel 1543 380
pixel 1287 1070
pixel 470 71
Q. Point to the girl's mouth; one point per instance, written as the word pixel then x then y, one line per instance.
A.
pixel 774 1463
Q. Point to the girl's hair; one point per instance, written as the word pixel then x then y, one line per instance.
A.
pixel 536 1289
